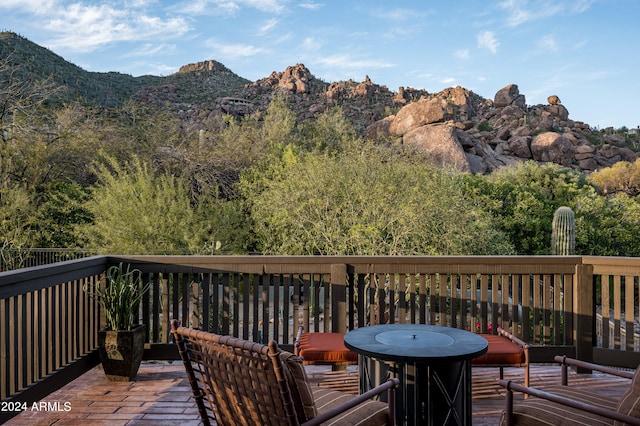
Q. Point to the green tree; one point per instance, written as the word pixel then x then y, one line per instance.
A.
pixel 622 177
pixel 523 199
pixel 329 132
pixel 60 211
pixel 367 202
pixel 608 226
pixel 136 211
pixel 16 217
pixel 223 153
pixel 25 123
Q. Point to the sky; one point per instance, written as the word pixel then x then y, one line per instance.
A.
pixel 583 51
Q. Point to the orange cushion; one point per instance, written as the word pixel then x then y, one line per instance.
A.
pixel 325 348
pixel 500 351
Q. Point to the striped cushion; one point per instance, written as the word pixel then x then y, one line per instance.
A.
pixel 299 385
pixel 535 411
pixel 629 404
pixel 370 413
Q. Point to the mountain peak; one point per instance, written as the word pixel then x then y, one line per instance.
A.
pixel 206 66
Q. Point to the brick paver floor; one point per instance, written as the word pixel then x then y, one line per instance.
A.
pixel 159 395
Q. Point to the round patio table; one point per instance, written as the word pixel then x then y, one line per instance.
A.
pixel 433 364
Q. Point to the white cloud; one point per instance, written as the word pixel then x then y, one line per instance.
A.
pixel 84 27
pixel 33 6
pixel 348 62
pixel 487 40
pixel 228 7
pixel 282 38
pixel 310 44
pixel 462 54
pixel 399 15
pixel 548 43
pixel 521 11
pixel 151 50
pixel 273 6
pixel 579 6
pixel 516 12
pixel 136 4
pixel 268 26
pixel 206 7
pixel 311 5
pixel 233 51
pixel 162 69
pixel 400 32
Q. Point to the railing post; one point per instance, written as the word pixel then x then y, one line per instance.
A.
pixel 583 318
pixel 339 298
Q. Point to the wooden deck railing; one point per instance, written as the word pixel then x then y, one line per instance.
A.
pixel 11 259
pixel 48 326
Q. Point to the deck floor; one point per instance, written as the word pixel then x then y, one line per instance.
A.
pixel 160 395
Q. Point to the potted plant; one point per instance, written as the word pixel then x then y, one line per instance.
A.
pixel 121 343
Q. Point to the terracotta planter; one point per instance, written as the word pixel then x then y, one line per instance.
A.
pixel 121 352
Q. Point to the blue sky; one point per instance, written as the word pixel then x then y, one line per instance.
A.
pixel 583 51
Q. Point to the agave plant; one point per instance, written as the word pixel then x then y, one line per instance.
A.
pixel 120 297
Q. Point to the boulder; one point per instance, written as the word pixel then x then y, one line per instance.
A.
pixel 441 144
pixel 518 146
pixel 558 111
pixel 628 155
pixel 588 164
pixel 507 96
pixel 614 139
pixel 585 149
pixel 553 147
pixel 553 100
pixel 542 123
pixel 503 134
pixel 609 151
pixel 418 114
pixel 571 137
pixel 510 111
pixel 379 129
pixel 476 164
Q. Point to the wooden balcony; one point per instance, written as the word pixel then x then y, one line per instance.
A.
pixel 161 395
pixel 584 307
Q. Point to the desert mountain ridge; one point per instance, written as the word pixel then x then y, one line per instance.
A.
pixel 456 127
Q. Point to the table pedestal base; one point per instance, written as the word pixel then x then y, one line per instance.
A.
pixel 429 394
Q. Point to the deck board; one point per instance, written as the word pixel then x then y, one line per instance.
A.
pixel 161 395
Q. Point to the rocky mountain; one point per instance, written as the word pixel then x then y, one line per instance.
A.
pixel 455 127
pixel 460 130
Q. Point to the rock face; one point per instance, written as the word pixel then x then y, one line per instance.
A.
pixel 553 147
pixel 418 114
pixel 509 95
pixel 294 79
pixel 455 128
pixel 210 65
pixel 461 130
pixel 441 143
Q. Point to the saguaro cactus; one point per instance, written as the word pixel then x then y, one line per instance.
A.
pixel 563 232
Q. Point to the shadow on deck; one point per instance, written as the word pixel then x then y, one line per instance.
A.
pixel 161 395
